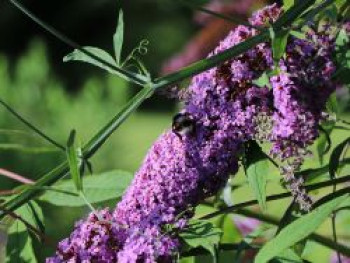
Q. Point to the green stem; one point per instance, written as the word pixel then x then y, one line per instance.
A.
pixel 136 78
pixel 312 187
pixel 284 21
pixel 99 139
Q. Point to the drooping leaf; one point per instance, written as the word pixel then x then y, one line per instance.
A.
pixel 20 243
pixel 298 230
pixel 203 234
pixel 37 216
pixel 257 168
pixel 335 157
pixel 31 213
pixel 20 246
pixel 118 38
pixel 74 161
pixel 97 188
pixel 77 55
pixel 324 142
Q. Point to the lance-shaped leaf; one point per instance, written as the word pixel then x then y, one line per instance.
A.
pixel 324 142
pixel 298 230
pixel 203 234
pixel 74 161
pixel 20 243
pixel 287 4
pixel 278 44
pixel 118 38
pixel 20 246
pixel 77 55
pixel 97 188
pixel 334 160
pixel 256 168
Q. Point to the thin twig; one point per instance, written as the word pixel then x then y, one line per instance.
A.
pixel 312 187
pixel 232 19
pixel 16 177
pixel 222 247
pixel 29 226
pixel 31 126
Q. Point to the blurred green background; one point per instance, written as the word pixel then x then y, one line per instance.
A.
pixel 59 97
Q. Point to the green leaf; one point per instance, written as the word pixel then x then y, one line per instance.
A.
pixel 287 4
pixel 118 38
pixel 279 43
pixel 332 104
pixel 335 157
pixel 20 247
pixel 74 161
pixel 324 142
pixel 77 55
pixel 263 81
pixel 97 188
pixel 31 213
pixel 257 168
pixel 298 34
pixel 298 230
pixel 203 234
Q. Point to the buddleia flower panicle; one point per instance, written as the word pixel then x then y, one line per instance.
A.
pixel 226 109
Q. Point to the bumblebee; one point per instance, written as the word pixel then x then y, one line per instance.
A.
pixel 183 124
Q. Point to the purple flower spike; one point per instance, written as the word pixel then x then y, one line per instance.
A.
pixel 224 108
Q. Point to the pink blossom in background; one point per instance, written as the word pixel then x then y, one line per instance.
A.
pixel 214 30
pixel 334 258
pixel 246 225
pixel 231 8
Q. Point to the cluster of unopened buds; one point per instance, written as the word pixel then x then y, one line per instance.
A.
pixel 193 160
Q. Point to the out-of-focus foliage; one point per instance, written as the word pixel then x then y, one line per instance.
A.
pixel 36 93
